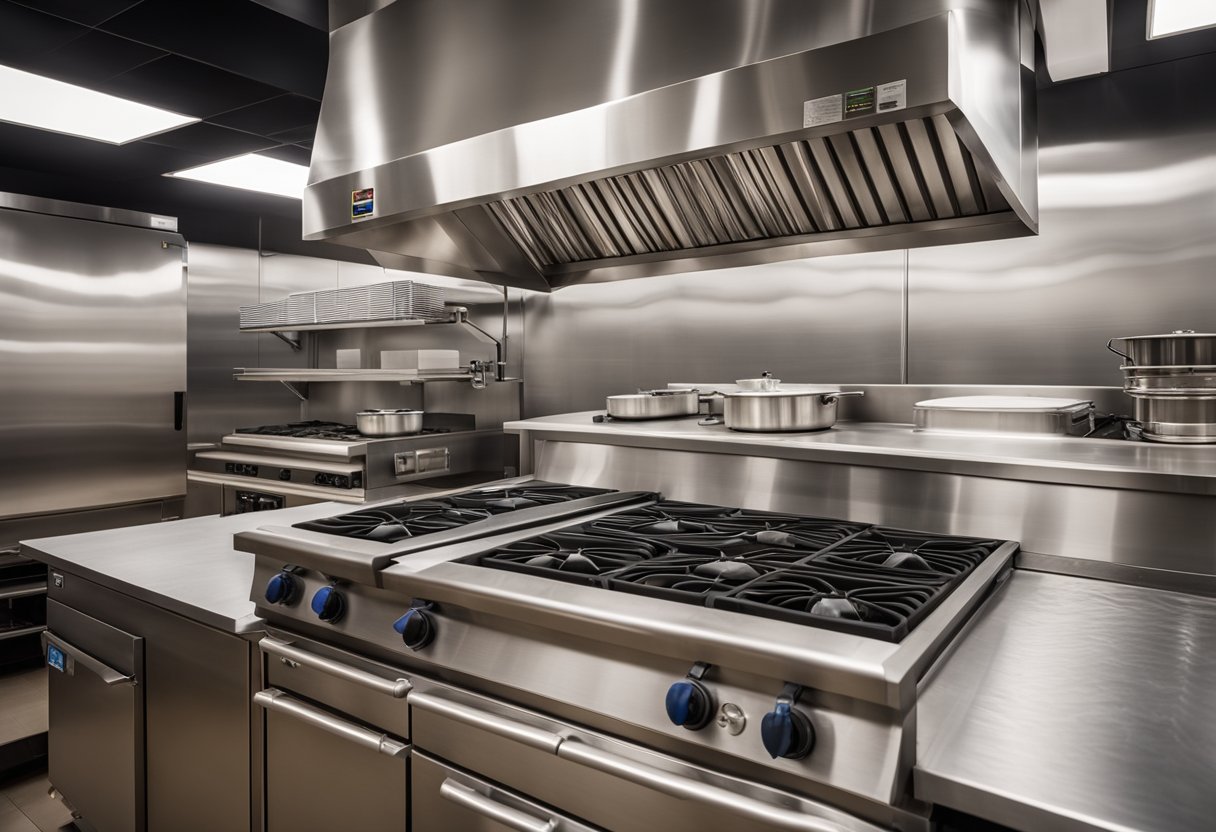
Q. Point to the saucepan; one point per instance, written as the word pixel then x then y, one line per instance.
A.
pixel 781 411
pixel 388 422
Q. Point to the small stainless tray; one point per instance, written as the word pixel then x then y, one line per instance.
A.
pixel 1021 415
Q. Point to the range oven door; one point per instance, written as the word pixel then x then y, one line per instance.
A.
pixel 522 761
pixel 336 756
pixel 96 707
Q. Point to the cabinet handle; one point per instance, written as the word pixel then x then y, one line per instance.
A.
pixel 503 727
pixel 688 789
pixel 462 795
pixel 104 672
pixel 275 700
pixel 396 688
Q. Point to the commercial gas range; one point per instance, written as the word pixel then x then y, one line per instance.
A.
pixel 574 655
pixel 274 466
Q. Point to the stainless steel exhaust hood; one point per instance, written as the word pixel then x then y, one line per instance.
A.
pixel 540 143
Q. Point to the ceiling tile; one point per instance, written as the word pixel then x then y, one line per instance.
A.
pixel 30 149
pixel 313 12
pixel 25 35
pixel 92 58
pixel 289 153
pixel 296 135
pixel 88 12
pixel 273 115
pixel 189 87
pixel 240 36
pixel 210 141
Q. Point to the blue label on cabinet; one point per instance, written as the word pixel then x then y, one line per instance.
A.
pixel 56 659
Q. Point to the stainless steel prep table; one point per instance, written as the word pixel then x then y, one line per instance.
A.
pixel 1075 704
pixel 186 566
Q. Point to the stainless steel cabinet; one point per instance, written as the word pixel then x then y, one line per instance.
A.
pixel 96 750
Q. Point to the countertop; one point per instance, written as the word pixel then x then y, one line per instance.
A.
pixel 186 566
pixel 1097 462
pixel 1075 704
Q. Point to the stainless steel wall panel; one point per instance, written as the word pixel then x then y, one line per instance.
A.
pixel 221 279
pixel 1127 185
pixel 92 350
pixel 826 318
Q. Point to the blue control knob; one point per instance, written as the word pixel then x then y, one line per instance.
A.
pixel 689 703
pixel 417 628
pixel 785 731
pixel 328 604
pixel 284 588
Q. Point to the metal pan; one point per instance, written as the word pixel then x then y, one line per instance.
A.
pixel 654 404
pixel 782 411
pixel 389 422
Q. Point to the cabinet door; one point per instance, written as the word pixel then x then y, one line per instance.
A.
pixel 324 773
pixel 96 747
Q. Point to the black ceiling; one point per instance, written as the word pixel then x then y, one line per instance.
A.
pixel 252 70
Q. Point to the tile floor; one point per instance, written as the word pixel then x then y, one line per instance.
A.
pixel 25 806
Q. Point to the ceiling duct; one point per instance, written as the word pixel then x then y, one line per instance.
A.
pixel 540 143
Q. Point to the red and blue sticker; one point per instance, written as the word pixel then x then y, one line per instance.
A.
pixel 362 203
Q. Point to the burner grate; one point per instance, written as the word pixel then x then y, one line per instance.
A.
pixel 885 608
pixel 899 552
pixel 399 521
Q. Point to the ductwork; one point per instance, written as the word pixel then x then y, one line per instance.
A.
pixel 540 143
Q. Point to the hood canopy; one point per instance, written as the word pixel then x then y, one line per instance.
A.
pixel 918 131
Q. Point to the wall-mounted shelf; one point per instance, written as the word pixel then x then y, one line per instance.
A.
pixel 311 375
pixel 345 325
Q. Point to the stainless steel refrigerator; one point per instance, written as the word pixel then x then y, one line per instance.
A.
pixel 92 391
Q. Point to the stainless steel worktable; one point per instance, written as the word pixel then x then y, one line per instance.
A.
pixel 1097 462
pixel 186 566
pixel 1075 704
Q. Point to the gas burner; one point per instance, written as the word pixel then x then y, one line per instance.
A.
pixel 901 553
pixel 393 523
pixel 691 578
pixel 333 431
pixel 858 603
pixel 719 526
pixel 498 500
pixel 572 555
pixel 398 521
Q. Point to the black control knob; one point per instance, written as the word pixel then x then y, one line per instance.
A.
pixel 328 604
pixel 786 731
pixel 284 588
pixel 688 702
pixel 417 627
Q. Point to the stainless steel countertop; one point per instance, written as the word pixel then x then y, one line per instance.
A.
pixel 1096 462
pixel 1074 704
pixel 186 566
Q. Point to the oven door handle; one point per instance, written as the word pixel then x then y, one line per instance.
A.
pixel 462 795
pixel 276 700
pixel 688 789
pixel 503 727
pixel 103 671
pixel 290 654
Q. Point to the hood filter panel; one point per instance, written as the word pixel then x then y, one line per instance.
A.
pixel 913 171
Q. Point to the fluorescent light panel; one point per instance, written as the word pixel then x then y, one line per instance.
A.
pixel 47 104
pixel 252 172
pixel 1173 17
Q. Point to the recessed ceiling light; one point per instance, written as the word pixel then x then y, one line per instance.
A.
pixel 37 101
pixel 1173 17
pixel 252 172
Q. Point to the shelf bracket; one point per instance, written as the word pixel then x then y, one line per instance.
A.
pixel 298 389
pixel 291 339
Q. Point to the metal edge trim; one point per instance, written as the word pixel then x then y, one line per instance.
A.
pixel 85 211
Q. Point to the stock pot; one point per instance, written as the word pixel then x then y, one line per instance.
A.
pixel 1173 380
pixel 1179 348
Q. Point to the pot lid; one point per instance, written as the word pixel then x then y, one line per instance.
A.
pixel 1177 333
pixel 387 412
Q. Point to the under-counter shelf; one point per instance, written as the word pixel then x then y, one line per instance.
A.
pixel 24 589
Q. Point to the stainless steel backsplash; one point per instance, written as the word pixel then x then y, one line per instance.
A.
pixel 1127 247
